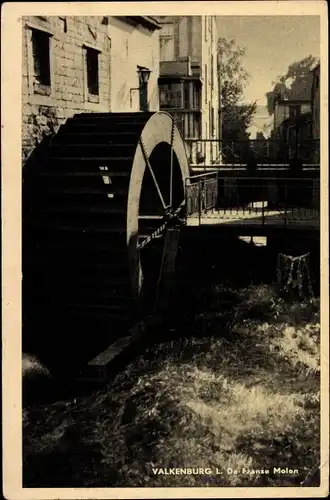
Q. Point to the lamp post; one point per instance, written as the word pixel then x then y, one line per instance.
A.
pixel 144 75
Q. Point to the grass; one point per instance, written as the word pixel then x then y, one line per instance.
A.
pixel 234 386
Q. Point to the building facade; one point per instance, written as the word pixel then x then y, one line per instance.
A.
pixel 188 82
pixel 293 130
pixel 83 64
pixel 316 102
pixel 297 123
pixel 289 109
pixel 316 117
pixel 133 42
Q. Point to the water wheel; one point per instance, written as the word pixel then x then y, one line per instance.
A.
pixel 96 204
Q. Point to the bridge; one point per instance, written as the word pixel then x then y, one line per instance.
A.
pixel 256 186
pixel 271 153
pixel 253 205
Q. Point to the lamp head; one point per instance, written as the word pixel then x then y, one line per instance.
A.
pixel 144 74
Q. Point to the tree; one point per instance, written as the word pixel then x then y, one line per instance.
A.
pixel 236 119
pixel 296 83
pixel 236 114
pixel 294 276
pixel 260 147
pixel 260 136
pixel 267 129
pixel 233 76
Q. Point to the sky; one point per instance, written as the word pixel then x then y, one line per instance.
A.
pixel 272 43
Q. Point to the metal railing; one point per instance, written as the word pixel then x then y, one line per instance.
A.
pixel 201 194
pixel 212 195
pixel 217 153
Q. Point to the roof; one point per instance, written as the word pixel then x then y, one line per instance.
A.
pixel 147 21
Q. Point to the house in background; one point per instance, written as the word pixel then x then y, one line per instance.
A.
pixel 85 64
pixel 293 128
pixel 297 123
pixel 289 109
pixel 188 82
pixel 296 131
pixel 316 111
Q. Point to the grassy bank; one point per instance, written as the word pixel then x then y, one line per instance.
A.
pixel 233 384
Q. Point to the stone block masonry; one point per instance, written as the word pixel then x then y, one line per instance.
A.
pixel 55 83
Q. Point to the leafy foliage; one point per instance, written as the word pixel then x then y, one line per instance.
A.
pixel 260 136
pixel 236 121
pixel 237 115
pixel 233 76
pixel 296 83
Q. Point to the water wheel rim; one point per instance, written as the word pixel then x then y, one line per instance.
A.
pixel 159 129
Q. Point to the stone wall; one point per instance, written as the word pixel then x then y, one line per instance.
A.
pixel 42 114
pixel 69 40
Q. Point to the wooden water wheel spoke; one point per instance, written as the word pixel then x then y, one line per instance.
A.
pixel 146 158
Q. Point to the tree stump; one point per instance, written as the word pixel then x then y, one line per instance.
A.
pixel 294 277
